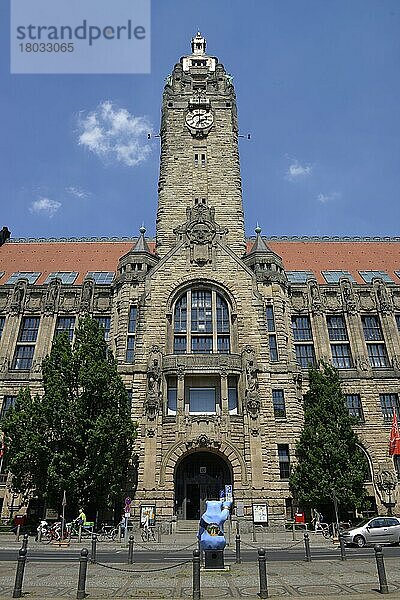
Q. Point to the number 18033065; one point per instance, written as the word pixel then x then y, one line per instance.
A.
pixel 46 47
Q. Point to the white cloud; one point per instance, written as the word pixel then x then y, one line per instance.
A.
pixel 45 206
pixel 325 198
pixel 297 170
pixel 77 192
pixel 113 133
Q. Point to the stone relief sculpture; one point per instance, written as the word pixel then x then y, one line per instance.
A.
pixel 349 298
pixel 87 295
pixel 52 296
pixel 252 395
pixel 18 296
pixel 315 297
pixel 382 294
pixel 154 372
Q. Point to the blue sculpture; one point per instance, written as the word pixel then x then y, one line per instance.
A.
pixel 211 526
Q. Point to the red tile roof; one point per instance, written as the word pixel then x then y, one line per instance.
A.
pixel 298 255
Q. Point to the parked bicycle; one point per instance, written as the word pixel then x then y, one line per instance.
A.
pixel 107 532
pixel 147 534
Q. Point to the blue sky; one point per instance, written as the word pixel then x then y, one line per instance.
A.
pixel 317 84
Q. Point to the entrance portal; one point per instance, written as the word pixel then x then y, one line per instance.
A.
pixel 200 476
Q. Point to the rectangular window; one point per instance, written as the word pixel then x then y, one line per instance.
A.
pixel 196 159
pixel 172 395
pixel 273 348
pixel 336 328
pixel 130 349
pixel 203 159
pixel 301 327
pixel 180 316
pixel 299 276
pixel 222 315
pixel 67 277
pixel 29 275
pixel 354 406
pixel 201 311
pixel 202 400
pixel 29 329
pixel 341 356
pixel 232 395
pixel 65 324
pixel 284 461
pixel 105 324
pixel 8 402
pixel 223 342
pixel 180 344
pixel 374 339
pixel 23 357
pixel 305 355
pixel 389 404
pixel 2 322
pixel 101 277
pixel 278 400
pixel 270 321
pixel 132 319
pixel 334 276
pixel 368 276
pixel 201 344
pixel 269 314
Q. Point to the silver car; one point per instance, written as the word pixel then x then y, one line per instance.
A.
pixel 379 530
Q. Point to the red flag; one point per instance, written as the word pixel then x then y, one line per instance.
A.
pixel 3 446
pixel 394 440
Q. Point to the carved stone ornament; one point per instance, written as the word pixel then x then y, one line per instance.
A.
pixel 87 295
pixel 151 432
pixel 18 296
pixel 349 297
pixel 252 394
pixel 52 296
pixel 382 295
pixel 315 297
pixel 200 233
pixel 362 363
pixel 203 441
pixel 298 381
pixel 153 394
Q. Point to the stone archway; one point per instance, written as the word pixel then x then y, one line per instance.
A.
pixel 200 475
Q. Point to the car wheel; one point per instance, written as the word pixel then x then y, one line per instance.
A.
pixel 359 541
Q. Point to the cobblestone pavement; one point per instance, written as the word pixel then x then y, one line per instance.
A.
pixel 318 580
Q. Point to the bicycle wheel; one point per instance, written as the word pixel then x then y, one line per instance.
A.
pixel 46 537
pixel 114 534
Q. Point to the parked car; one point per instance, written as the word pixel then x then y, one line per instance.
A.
pixel 379 530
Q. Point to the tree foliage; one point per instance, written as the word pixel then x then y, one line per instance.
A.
pixel 78 436
pixel 330 460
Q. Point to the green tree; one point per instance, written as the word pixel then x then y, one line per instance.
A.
pixel 330 461
pixel 79 435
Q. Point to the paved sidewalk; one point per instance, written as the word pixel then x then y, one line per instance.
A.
pixel 319 580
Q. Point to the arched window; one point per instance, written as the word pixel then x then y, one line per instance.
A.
pixel 201 323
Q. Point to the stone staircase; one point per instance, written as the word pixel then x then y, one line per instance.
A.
pixel 187 527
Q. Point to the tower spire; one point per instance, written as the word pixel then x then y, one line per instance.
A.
pixel 198 44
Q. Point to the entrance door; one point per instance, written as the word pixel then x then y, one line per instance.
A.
pixel 200 476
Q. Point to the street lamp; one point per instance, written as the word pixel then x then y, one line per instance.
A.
pixel 387 485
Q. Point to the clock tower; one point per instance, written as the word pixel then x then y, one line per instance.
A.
pixel 199 149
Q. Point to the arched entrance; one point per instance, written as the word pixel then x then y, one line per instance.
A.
pixel 199 476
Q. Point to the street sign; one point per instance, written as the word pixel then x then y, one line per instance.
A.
pixel 228 493
pixel 128 501
pixel 64 502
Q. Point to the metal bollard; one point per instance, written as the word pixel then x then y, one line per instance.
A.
pixel 130 550
pixel 307 546
pixel 254 538
pixel 380 564
pixel 196 575
pixel 94 548
pixel 294 531
pixel 25 540
pixel 83 562
pixel 19 575
pixel 238 559
pixel 159 534
pixel 342 548
pixel 80 534
pixel 18 532
pixel 262 570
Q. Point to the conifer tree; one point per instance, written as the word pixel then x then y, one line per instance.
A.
pixel 330 463
pixel 78 436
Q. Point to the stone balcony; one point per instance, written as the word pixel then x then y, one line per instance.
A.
pixel 198 363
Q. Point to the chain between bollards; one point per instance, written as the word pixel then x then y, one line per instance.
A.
pixel 238 559
pixel 83 563
pixel 94 549
pixel 130 550
pixel 196 574
pixel 262 570
pixel 307 546
pixel 380 564
pixel 19 575
pixel 342 547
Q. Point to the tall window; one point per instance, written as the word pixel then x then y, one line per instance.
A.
pixel 340 347
pixel 25 348
pixel 105 324
pixel 376 348
pixel 202 394
pixel 65 324
pixel 172 395
pixel 273 348
pixel 2 321
pixel 201 323
pixel 232 395
pixel 354 406
pixel 284 461
pixel 389 405
pixel 303 341
pixel 278 400
pixel 130 343
pixel 8 402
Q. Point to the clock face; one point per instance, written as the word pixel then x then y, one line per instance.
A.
pixel 199 118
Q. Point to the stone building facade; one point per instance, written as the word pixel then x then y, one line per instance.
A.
pixel 213 332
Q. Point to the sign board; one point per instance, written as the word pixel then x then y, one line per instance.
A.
pixel 148 513
pixel 240 509
pixel 127 515
pixel 51 514
pixel 260 514
pixel 228 493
